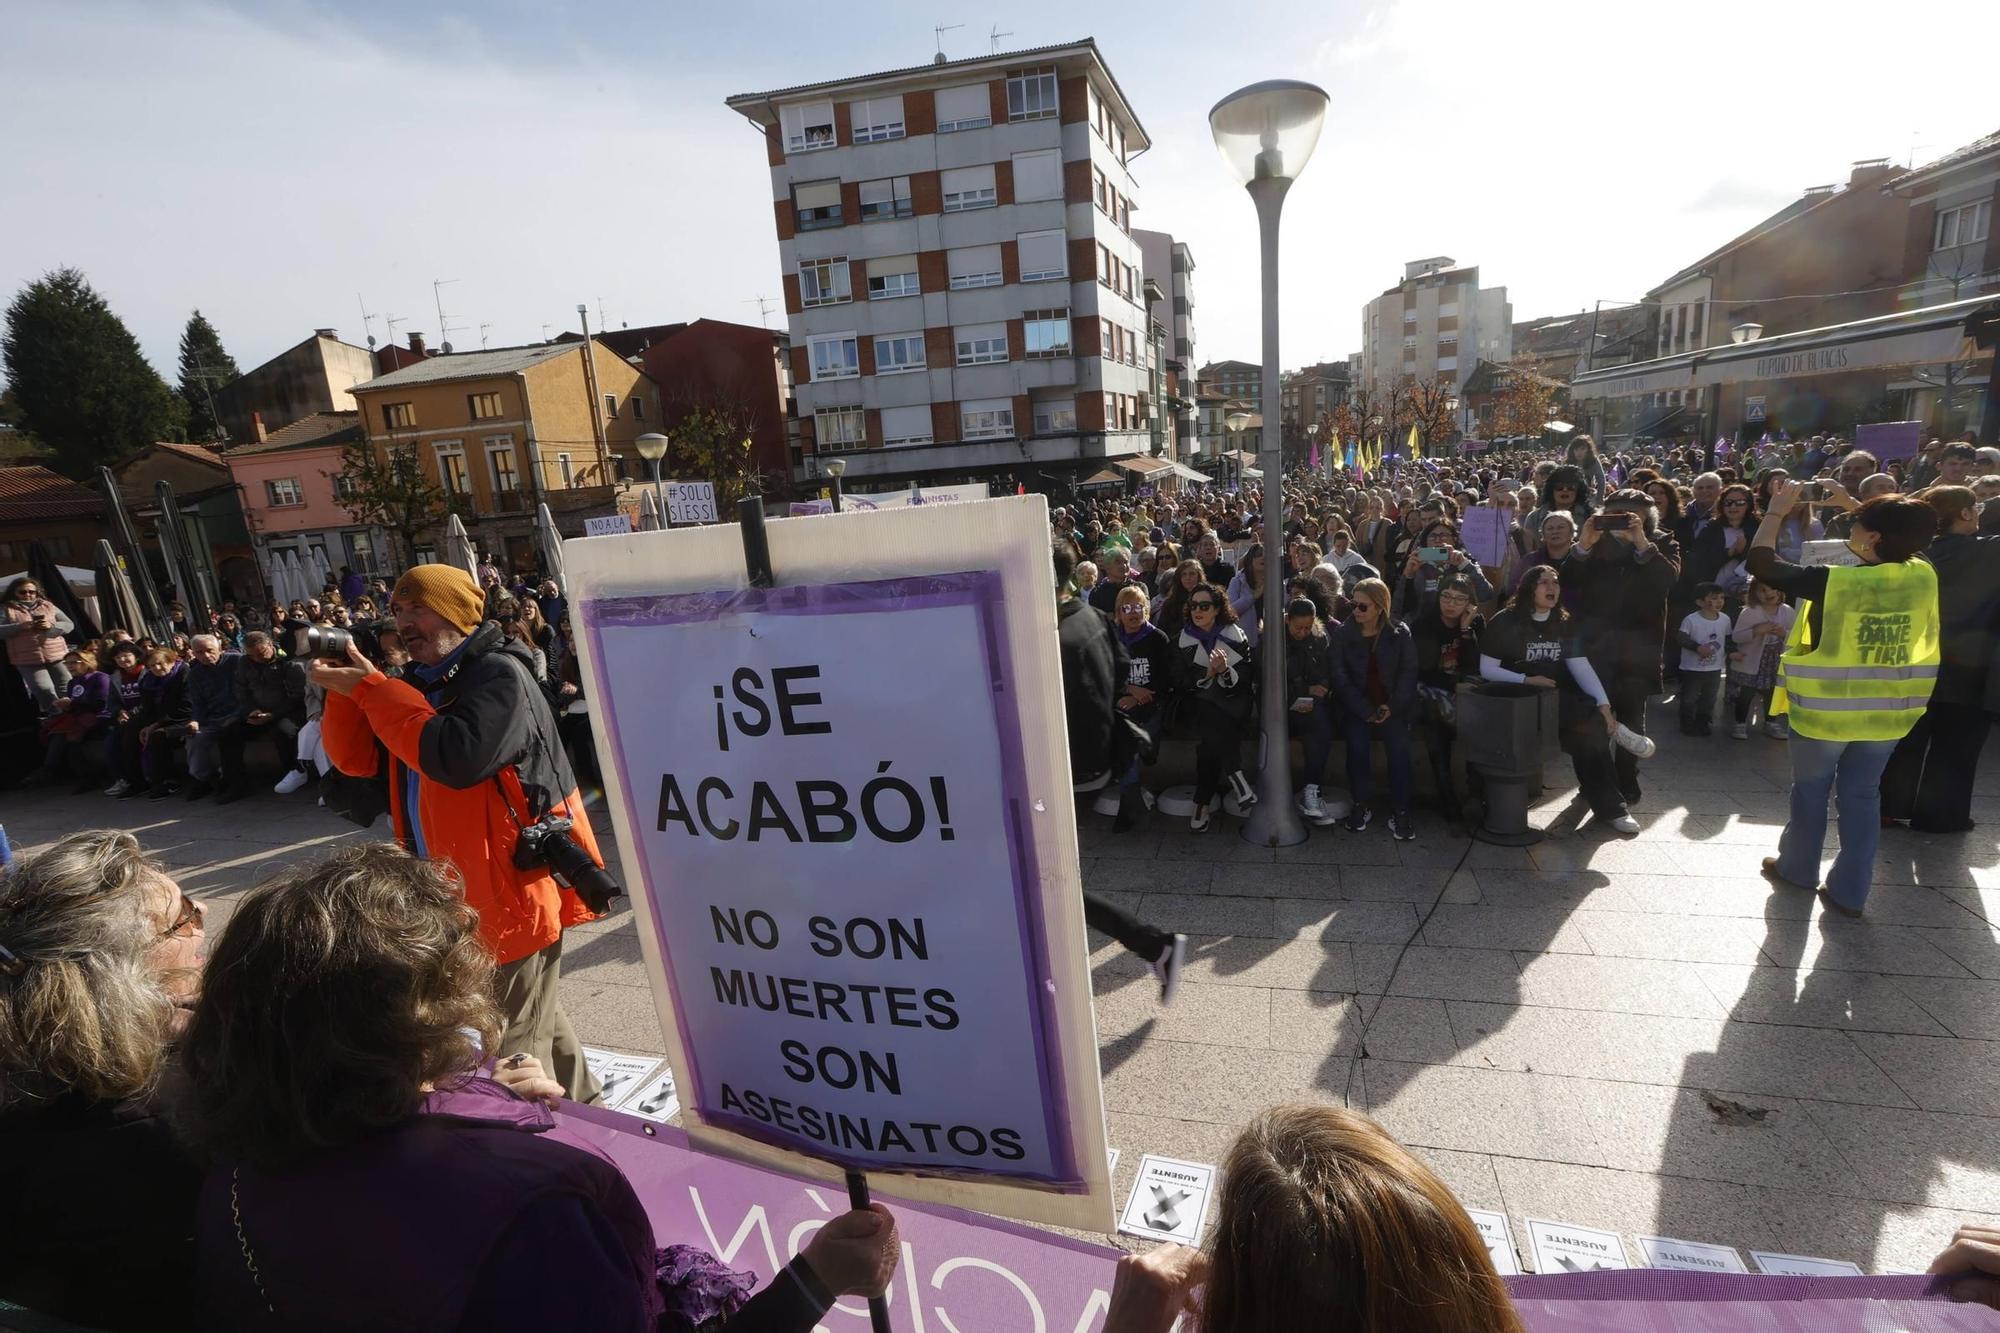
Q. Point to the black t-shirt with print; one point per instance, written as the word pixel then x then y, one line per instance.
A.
pixel 1532 647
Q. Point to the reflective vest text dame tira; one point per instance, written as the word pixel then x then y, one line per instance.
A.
pixel 1870 674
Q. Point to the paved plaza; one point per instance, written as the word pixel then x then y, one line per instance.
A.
pixel 1634 1034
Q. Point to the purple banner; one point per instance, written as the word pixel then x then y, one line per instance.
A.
pixel 1890 439
pixel 973 1274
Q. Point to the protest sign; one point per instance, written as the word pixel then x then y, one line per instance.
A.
pixel 1484 531
pixel 691 502
pixel 618 1075
pixel 1826 553
pixel 1802 1265
pixel 1692 1256
pixel 854 862
pixel 852 501
pixel 1890 439
pixel 1499 1238
pixel 658 1101
pixel 1564 1247
pixel 606 525
pixel 1169 1200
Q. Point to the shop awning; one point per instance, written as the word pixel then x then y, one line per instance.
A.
pixel 1108 477
pixel 1144 466
pixel 1187 473
pixel 1930 336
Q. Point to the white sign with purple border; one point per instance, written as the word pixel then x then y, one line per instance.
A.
pixel 843 809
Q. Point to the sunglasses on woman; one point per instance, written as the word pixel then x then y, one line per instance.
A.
pixel 1201 606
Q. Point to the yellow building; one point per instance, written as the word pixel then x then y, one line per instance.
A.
pixel 501 431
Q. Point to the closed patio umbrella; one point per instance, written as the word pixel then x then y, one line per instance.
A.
pixel 649 513
pixel 550 541
pixel 115 595
pixel 458 548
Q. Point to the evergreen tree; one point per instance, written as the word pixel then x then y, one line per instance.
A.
pixel 205 368
pixel 82 386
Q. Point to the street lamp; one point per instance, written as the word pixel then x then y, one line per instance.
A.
pixel 836 468
pixel 1235 422
pixel 1312 438
pixel 1266 133
pixel 652 447
pixel 1746 333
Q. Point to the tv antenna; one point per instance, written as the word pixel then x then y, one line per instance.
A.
pixel 389 323
pixel 482 336
pixel 602 322
pixel 545 331
pixel 994 37
pixel 940 30
pixel 437 295
pixel 367 320
pixel 763 304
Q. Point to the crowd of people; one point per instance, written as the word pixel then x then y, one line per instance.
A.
pixel 156 717
pixel 1654 574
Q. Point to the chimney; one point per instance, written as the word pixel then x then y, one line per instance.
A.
pixel 324 333
pixel 257 426
pixel 1869 171
pixel 417 343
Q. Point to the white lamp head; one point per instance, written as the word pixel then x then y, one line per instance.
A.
pixel 835 467
pixel 652 446
pixel 1236 420
pixel 1268 130
pixel 1746 333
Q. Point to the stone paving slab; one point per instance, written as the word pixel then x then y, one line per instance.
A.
pixel 1635 1034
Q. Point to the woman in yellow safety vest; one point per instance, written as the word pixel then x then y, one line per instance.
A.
pixel 1856 676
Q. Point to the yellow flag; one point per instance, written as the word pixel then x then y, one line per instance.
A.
pixel 1416 449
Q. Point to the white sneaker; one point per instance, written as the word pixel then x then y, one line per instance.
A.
pixel 118 788
pixel 1309 804
pixel 1239 786
pixel 1167 967
pixel 290 783
pixel 1628 739
pixel 1198 822
pixel 1625 824
pixel 1739 731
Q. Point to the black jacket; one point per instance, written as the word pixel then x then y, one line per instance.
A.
pixel 1094 669
pixel 1152 665
pixel 1968 574
pixel 1428 632
pixel 492 713
pixel 1622 608
pixel 1396 655
pixel 277 687
pixel 1306 665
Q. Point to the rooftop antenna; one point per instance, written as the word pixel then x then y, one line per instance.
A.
pixel 389 322
pixel 763 304
pixel 994 37
pixel 482 336
pixel 367 320
pixel 602 323
pixel 545 331
pixel 940 30
pixel 437 295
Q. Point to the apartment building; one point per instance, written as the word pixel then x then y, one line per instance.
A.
pixel 963 288
pixel 1436 324
pixel 503 430
pixel 1170 264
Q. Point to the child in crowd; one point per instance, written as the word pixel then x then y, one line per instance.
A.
pixel 1704 649
pixel 1760 635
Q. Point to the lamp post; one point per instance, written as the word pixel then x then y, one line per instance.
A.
pixel 1312 438
pixel 652 447
pixel 1234 422
pixel 1266 133
pixel 836 468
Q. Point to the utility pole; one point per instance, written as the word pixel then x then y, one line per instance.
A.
pixel 590 385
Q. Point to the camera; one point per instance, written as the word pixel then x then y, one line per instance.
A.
pixel 324 641
pixel 548 842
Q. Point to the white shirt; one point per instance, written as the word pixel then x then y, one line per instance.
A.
pixel 1714 633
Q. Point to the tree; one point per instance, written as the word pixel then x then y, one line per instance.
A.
pixel 205 367
pixel 710 434
pixel 1352 418
pixel 1525 403
pixel 81 384
pixel 1427 405
pixel 390 491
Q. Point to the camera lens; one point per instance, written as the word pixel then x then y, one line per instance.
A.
pixel 324 641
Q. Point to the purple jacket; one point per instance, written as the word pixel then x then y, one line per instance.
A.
pixel 395 1231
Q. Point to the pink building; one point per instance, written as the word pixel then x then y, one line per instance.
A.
pixel 288 479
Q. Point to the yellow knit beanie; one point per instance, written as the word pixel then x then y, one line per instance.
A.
pixel 445 589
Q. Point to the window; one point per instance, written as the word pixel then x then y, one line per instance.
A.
pixel 1038 175
pixel 891 277
pixel 611 406
pixel 1054 415
pixel 283 491
pixel 981 344
pixel 452 470
pixel 899 353
pixel 886 198
pixel 1046 332
pixel 1111 411
pixel 1031 93
pixel 816 204
pixel 1108 341
pixel 986 419
pixel 500 459
pixel 968 107
pixel 1104 265
pixel 834 357
pixel 969 187
pixel 343 487
pixel 1044 255
pixel 906 425
pixel 399 416
pixel 974 266
pixel 1963 225
pixel 638 407
pixel 483 406
pixel 824 281
pixel 840 429
pixel 876 119
pixel 1449 310
pixel 808 126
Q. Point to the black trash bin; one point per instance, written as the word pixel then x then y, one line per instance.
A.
pixel 1505 731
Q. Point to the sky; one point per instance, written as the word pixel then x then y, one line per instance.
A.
pixel 286 165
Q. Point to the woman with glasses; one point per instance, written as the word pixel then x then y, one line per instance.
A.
pixel 1721 548
pixel 34 628
pixel 1170 607
pixel 1144 697
pixel 84 716
pixel 1533 642
pixel 1374 664
pixel 1219 677
pixel 100 964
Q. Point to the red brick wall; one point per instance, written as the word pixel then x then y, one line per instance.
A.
pixel 926 193
pixel 932 273
pixel 1010 261
pixel 843 123
pixel 786 226
pixel 944 423
pixel 801 365
pixel 865 347
pixel 850 201
pixel 716 363
pixel 997 99
pixel 793 302
pixel 1073 96
pixel 939 349
pixel 920 113
pixel 1086 336
pixel 1003 181
pixel 1090 411
pixel 872 427
pixel 857 279
pixel 1017 339
pixel 1082 258
pixel 1078 185
pixel 774 145
pixel 1024 416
